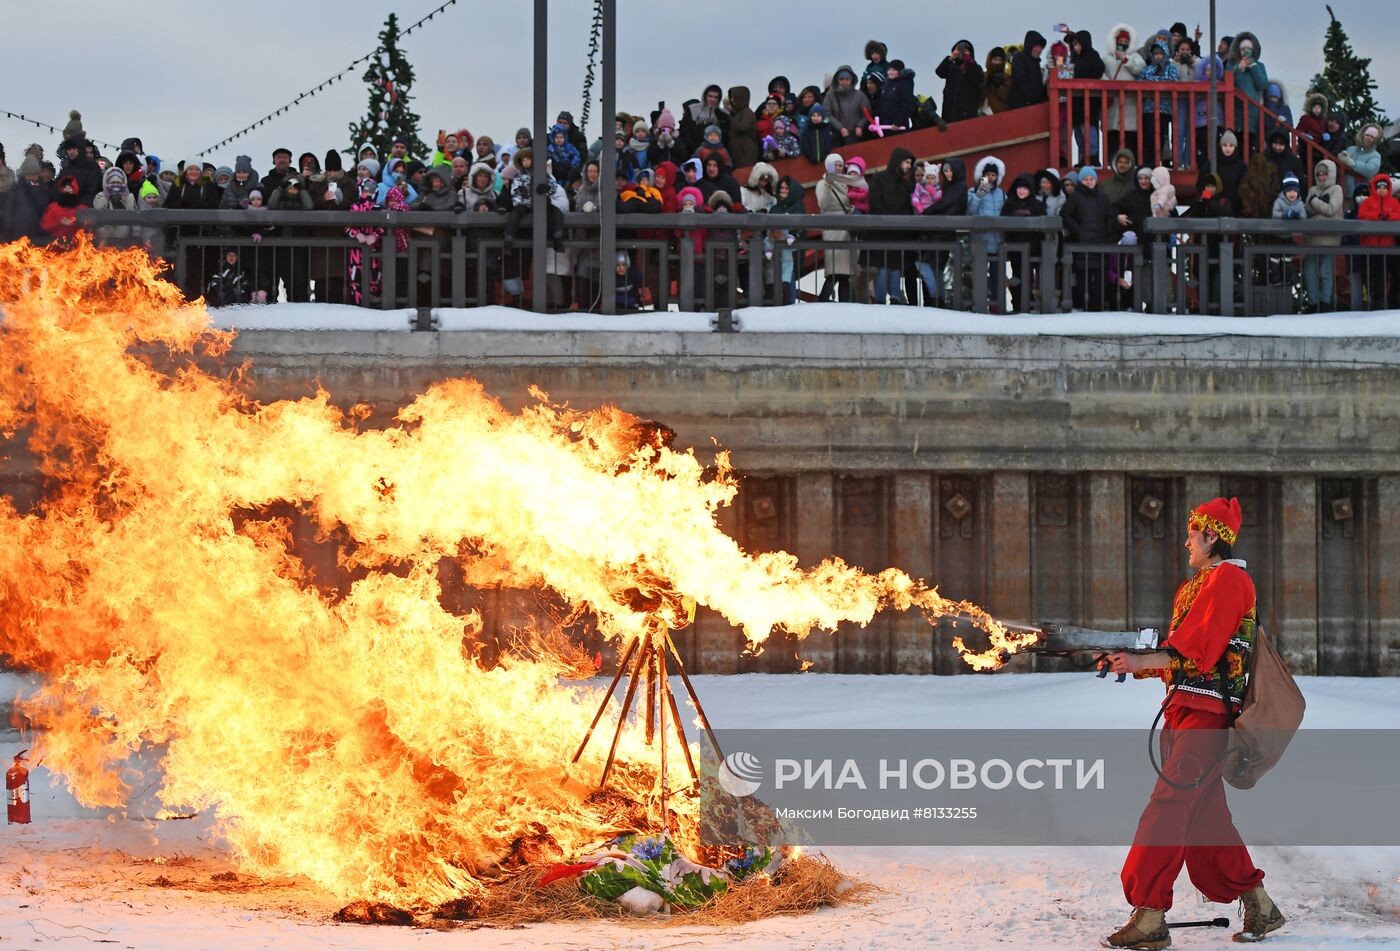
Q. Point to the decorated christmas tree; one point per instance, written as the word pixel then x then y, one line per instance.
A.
pixel 389 77
pixel 1346 79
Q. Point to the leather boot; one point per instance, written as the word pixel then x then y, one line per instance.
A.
pixel 1261 916
pixel 1146 930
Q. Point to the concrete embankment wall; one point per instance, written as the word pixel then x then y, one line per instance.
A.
pixel 1047 477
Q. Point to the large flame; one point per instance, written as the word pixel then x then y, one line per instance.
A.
pixel 352 739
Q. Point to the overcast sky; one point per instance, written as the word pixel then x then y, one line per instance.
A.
pixel 184 76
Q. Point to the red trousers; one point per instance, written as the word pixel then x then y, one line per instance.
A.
pixel 1190 827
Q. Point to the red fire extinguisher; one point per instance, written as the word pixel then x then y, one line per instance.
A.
pixel 17 791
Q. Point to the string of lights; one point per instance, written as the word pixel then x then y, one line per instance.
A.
pixel 589 75
pixel 312 91
pixel 56 130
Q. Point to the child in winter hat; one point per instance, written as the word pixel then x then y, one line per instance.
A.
pixel 1289 203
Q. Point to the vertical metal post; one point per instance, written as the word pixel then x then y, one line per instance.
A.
pixel 539 218
pixel 1214 85
pixel 607 174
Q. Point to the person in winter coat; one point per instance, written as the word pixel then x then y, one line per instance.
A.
pixel 1362 160
pixel 743 128
pixel 786 144
pixel 639 197
pixel 1157 107
pixel 953 202
pixel 1278 115
pixel 115 196
pixel 135 170
pixel 996 84
pixel 60 220
pixel 1134 208
pixel 962 83
pixel 1381 206
pixel 77 161
pixel 564 156
pixel 666 145
pixel 1282 156
pixel 1047 189
pixel 518 200
pixel 846 107
pixel 1088 64
pixel 927 188
pixel 480 186
pixel 1163 194
pixel 1210 203
pixel 26 203
pixel 1089 218
pixel 665 179
pixel 897 103
pixel 395 173
pixel 1325 202
pixel 833 198
pixel 860 193
pixel 1022 202
pixel 700 113
pixel 437 193
pixel 1312 125
pixel 891 193
pixel 1289 203
pixel 245 179
pixel 1027 77
pixel 1334 137
pixel 1123 179
pixel 194 189
pixel 760 193
pixel 985 200
pixel 1123 63
pixel 1231 168
pixel 1251 79
pixel 718 178
pixel 876 56
pixel 817 139
pixel 1259 188
pixel 713 145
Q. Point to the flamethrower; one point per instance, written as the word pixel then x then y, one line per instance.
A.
pixel 1063 640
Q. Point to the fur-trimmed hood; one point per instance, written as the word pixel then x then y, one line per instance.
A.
pixel 875 46
pixel 1234 57
pixel 1111 40
pixel 1312 99
pixel 760 170
pixel 993 162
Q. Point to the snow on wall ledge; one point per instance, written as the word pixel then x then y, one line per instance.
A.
pixel 814 319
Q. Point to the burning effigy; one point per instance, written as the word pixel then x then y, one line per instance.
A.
pixel 355 738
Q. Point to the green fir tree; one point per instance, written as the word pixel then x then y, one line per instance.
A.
pixel 390 78
pixel 1348 78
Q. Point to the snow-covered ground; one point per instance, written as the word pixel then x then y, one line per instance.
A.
pixel 814 318
pixel 73 881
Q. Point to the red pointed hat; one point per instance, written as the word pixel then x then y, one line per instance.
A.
pixel 1219 516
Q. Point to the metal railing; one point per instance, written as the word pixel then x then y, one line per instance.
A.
pixel 709 263
pixel 1261 267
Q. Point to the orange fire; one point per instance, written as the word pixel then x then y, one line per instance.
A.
pixel 354 740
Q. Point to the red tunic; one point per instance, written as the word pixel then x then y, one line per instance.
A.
pixel 1209 611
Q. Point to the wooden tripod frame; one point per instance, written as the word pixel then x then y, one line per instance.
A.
pixel 647 658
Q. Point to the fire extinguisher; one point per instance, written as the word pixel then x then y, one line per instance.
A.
pixel 17 791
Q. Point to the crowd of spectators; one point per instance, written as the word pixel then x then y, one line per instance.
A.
pixel 688 164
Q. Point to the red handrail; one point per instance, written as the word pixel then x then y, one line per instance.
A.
pixel 1125 95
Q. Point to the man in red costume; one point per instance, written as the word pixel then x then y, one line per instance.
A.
pixel 1203 661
